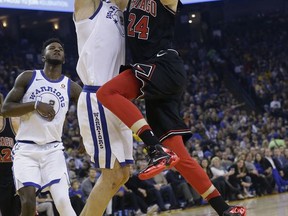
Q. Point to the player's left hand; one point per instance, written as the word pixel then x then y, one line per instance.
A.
pixel 46 111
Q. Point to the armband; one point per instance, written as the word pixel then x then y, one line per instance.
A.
pixel 36 104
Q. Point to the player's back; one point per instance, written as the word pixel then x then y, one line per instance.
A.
pixel 101 45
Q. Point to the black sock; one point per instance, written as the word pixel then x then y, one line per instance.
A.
pixel 149 138
pixel 219 204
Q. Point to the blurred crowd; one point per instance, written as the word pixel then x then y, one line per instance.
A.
pixel 245 153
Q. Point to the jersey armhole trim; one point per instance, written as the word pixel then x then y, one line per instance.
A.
pixel 96 12
pixel 31 80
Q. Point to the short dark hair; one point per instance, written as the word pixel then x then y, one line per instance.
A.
pixel 49 41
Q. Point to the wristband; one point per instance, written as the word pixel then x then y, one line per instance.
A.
pixel 36 104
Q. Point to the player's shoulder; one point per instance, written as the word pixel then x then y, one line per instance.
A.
pixel 25 76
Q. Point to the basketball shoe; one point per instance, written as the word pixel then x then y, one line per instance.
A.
pixel 159 159
pixel 235 211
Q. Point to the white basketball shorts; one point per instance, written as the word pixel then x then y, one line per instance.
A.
pixel 38 165
pixel 105 137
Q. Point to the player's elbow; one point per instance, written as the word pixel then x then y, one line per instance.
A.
pixel 5 110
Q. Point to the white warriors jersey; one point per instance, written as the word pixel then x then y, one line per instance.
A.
pixel 101 45
pixel 34 128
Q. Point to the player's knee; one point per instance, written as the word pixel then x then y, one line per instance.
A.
pixel 119 177
pixel 103 93
pixel 125 175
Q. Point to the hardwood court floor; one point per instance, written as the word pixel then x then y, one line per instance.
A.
pixel 271 205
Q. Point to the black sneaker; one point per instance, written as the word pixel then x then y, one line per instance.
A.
pixel 156 154
pixel 160 158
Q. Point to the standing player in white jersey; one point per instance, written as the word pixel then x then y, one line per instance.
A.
pixel 101 48
pixel 41 98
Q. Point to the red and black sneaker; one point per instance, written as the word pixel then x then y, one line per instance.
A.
pixel 160 158
pixel 235 211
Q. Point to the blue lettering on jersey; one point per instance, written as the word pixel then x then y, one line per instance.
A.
pixel 117 16
pixel 98 127
pixel 50 95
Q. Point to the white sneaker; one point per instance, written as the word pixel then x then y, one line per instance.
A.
pixel 249 195
pixel 138 213
pixel 152 209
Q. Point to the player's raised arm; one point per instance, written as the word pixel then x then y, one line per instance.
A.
pixel 172 4
pixel 83 9
pixel 122 4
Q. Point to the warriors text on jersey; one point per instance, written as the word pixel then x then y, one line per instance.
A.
pixel 101 45
pixel 150 28
pixel 34 128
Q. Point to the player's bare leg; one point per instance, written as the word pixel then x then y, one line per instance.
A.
pixel 106 186
pixel 60 195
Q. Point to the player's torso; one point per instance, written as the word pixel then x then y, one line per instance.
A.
pixel 7 141
pixel 150 28
pixel 101 45
pixel 35 128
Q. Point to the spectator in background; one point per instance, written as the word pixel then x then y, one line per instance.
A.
pixel 259 181
pixel 89 182
pixel 76 196
pixel 44 203
pixel 141 189
pixel 219 181
pixel 275 106
pixel 240 179
pixel 279 160
pixel 182 189
pixel 271 168
pixel 166 190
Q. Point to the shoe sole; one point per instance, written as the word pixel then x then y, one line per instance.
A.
pixel 164 164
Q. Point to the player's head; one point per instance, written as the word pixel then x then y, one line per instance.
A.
pixel 53 52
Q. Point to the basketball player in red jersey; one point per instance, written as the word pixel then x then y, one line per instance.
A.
pixel 158 76
pixel 9 202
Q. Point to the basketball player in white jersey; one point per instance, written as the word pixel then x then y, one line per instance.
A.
pixel 101 49
pixel 41 98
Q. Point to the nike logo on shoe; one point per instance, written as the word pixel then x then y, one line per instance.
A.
pixel 160 54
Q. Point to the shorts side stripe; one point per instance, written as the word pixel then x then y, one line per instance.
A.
pixel 92 128
pixel 106 136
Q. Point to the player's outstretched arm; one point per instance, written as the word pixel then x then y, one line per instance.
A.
pixel 83 9
pixel 122 4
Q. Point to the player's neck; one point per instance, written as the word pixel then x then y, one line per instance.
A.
pixel 53 72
